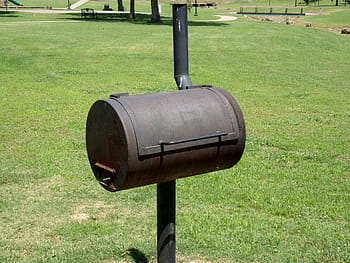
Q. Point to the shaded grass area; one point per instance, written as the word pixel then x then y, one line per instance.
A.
pixel 143 19
pixel 286 201
pixel 24 16
pixel 101 17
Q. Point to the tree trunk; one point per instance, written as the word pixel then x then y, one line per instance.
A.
pixel 132 9
pixel 120 5
pixel 155 11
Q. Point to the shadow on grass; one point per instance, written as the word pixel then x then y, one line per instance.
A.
pixel 340 5
pixel 136 255
pixel 320 5
pixel 140 19
pixel 8 14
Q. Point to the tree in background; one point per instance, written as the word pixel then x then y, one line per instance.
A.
pixel 155 11
pixel 154 7
pixel 132 9
pixel 120 5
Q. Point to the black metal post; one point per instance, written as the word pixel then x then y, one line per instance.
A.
pixel 180 34
pixel 166 213
pixel 166 192
pixel 195 8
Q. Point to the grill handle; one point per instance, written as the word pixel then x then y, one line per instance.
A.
pixel 106 177
pixel 219 134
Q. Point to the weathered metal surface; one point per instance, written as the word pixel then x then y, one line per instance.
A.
pixel 160 119
pixel 155 138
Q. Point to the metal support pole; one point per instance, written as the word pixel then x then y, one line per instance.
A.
pixel 195 8
pixel 166 192
pixel 166 212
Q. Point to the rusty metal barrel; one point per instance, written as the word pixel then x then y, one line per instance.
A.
pixel 152 138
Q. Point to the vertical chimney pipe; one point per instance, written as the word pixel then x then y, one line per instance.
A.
pixel 180 41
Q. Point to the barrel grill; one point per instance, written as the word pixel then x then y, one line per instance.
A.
pixel 136 140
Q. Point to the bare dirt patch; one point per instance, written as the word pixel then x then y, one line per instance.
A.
pixel 84 212
pixel 296 20
pixel 79 215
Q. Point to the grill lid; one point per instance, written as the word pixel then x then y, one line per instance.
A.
pixel 171 121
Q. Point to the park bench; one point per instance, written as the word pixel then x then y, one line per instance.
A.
pixel 88 13
pixel 207 4
pixel 272 10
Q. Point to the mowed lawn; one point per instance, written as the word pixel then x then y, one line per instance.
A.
pixel 287 200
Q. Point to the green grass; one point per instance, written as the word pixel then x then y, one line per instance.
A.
pixel 337 17
pixel 286 201
pixel 44 3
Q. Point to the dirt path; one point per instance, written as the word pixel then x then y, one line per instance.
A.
pixel 79 3
pixel 221 18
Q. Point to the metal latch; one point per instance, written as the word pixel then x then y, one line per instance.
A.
pixel 118 95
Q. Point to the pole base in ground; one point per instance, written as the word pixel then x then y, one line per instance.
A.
pixel 166 209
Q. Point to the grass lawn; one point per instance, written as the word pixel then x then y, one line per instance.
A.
pixel 287 200
pixel 339 17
